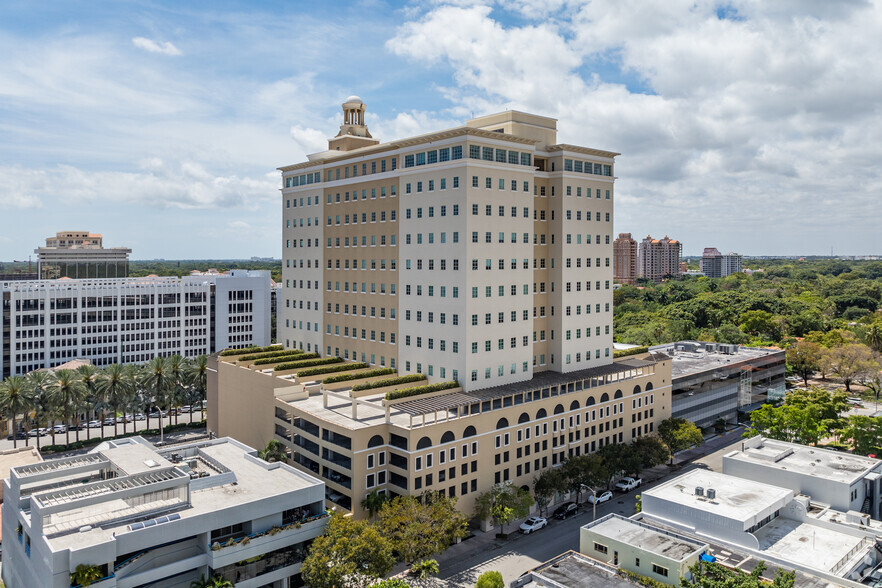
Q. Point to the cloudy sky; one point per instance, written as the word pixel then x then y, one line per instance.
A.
pixel 746 125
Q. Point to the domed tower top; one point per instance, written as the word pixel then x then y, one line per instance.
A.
pixel 353 132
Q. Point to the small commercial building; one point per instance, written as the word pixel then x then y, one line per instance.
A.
pixel 713 381
pixel 843 481
pixel 572 569
pixel 664 556
pixel 143 516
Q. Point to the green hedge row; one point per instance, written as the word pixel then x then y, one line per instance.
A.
pixel 286 358
pixel 627 352
pixel 270 354
pixel 389 382
pixel 330 369
pixel 408 392
pixel 370 374
pixel 227 352
pixel 305 364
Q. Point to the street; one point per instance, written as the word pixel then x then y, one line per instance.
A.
pixel 462 564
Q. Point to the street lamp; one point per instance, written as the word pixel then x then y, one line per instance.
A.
pixel 594 504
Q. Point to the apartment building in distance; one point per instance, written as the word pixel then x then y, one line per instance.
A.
pixel 481 254
pixel 717 265
pixel 131 320
pixel 147 516
pixel 80 255
pixel 479 257
pixel 625 259
pixel 659 259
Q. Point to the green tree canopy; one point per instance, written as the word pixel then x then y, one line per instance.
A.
pixel 417 530
pixel 490 579
pixel 679 434
pixel 503 503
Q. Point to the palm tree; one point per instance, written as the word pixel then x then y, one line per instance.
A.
pixel 177 369
pixel 874 336
pixel 15 398
pixel 68 394
pixel 113 387
pixel 158 381
pixel 373 502
pixel 273 452
pixel 40 385
pixel 88 375
pixel 133 401
pixel 198 373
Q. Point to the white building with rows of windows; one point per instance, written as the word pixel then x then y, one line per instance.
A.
pixel 480 254
pixel 130 320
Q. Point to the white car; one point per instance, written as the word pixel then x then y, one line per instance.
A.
pixel 603 497
pixel 533 524
pixel 59 429
pixel 94 425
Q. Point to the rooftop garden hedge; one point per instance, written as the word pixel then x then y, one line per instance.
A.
pixel 227 352
pixel 270 354
pixel 627 352
pixel 286 358
pixel 305 364
pixel 330 369
pixel 408 392
pixel 389 382
pixel 359 376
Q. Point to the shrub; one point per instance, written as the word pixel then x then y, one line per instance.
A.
pixel 370 374
pixel 227 352
pixel 283 352
pixel 331 369
pixel 407 392
pixel 627 352
pixel 286 358
pixel 309 363
pixel 389 382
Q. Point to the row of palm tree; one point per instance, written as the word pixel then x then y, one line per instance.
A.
pixel 72 396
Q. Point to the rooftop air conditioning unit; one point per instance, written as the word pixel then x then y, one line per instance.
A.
pixel 711 493
pixel 699 491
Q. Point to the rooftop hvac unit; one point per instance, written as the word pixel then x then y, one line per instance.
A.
pixel 193 464
pixel 699 491
pixel 711 493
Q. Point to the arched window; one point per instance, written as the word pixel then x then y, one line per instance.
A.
pixel 424 443
pixel 558 409
pixel 469 432
pixel 574 405
pixel 447 437
pixel 604 398
pixel 618 394
pixel 637 389
pixel 541 414
pixel 502 423
pixel 590 401
pixel 524 418
pixel 648 386
pixel 375 441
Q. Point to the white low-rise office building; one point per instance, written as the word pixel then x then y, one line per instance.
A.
pixel 131 320
pixel 843 481
pixel 144 516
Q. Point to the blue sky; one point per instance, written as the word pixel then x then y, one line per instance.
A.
pixel 744 125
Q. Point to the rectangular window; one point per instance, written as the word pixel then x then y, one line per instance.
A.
pixel 657 569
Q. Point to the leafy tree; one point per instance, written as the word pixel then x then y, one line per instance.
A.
pixel 714 575
pixel 548 483
pixel 804 358
pixel 679 434
pixel 651 450
pixel 274 451
pixel 425 569
pixel 417 530
pixel 760 322
pixel 15 398
pixel 490 579
pixel 583 471
pixel 373 502
pixel 503 503
pixel 865 433
pixel 350 554
pixel 848 362
pixel 618 459
pixel 85 575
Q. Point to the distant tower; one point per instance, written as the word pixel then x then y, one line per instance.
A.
pixel 353 132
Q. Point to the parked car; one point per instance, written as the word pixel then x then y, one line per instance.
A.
pixel 41 432
pixel 19 435
pixel 94 424
pixel 565 510
pixel 184 409
pixel 628 484
pixel 602 497
pixel 533 524
pixel 59 429
pixel 140 417
pixel 109 421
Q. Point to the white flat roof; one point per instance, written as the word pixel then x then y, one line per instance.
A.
pixel 736 498
pixel 666 544
pixel 807 544
pixel 823 463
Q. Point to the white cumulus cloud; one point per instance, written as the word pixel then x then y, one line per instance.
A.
pixel 166 48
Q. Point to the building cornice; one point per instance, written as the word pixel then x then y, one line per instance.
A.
pixel 582 150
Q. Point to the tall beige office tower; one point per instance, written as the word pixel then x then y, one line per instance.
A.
pixel 659 259
pixel 81 254
pixel 625 259
pixel 480 253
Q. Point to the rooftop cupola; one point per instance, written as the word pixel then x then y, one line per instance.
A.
pixel 353 132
